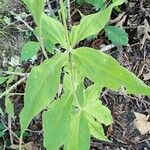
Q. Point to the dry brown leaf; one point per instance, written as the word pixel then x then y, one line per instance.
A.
pixel 146 76
pixel 141 123
pixel 146 35
pixel 28 146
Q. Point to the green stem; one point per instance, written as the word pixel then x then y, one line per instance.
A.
pixel 42 45
pixel 70 55
pixel 20 142
pixel 64 22
pixel 74 87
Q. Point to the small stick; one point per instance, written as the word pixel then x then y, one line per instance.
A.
pixel 50 8
pixel 106 48
pixel 10 131
pixel 14 73
pixel 24 22
pixel 7 128
pixel 18 94
pixel 12 87
pixel 31 29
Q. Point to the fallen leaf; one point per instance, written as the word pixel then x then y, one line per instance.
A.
pixel 141 123
pixel 28 146
pixel 146 35
pixel 146 76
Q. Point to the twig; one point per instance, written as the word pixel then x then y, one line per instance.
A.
pixel 39 132
pixel 146 33
pixel 50 8
pixel 10 131
pixel 39 38
pixel 106 48
pixel 14 73
pixel 42 46
pixel 25 23
pixel 7 128
pixel 12 87
pixel 31 29
pixel 118 18
pixel 18 94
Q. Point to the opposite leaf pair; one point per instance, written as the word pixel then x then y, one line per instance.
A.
pixel 88 26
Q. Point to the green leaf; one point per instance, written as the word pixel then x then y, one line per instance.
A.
pixel 79 133
pixel 67 84
pixel 90 25
pixel 96 129
pixel 41 88
pixel 1 111
pixel 116 7
pixel 56 123
pixel 10 79
pixel 93 92
pixel 80 94
pixel 3 79
pixel 67 77
pixel 94 107
pixel 2 126
pixel 80 2
pixel 36 7
pixel 117 35
pixel 1 135
pixel 49 46
pixel 9 107
pixel 118 2
pixel 29 50
pixel 107 72
pixel 53 30
pixel 97 3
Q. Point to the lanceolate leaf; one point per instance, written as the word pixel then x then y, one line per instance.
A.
pixel 29 50
pixel 41 88
pixel 56 123
pixel 106 71
pixel 100 112
pixel 89 102
pixel 117 35
pixel 96 129
pixel 93 92
pixel 92 24
pixel 93 106
pixel 79 133
pixel 53 30
pixel 36 7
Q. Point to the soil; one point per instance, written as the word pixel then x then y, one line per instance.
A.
pixel 135 57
